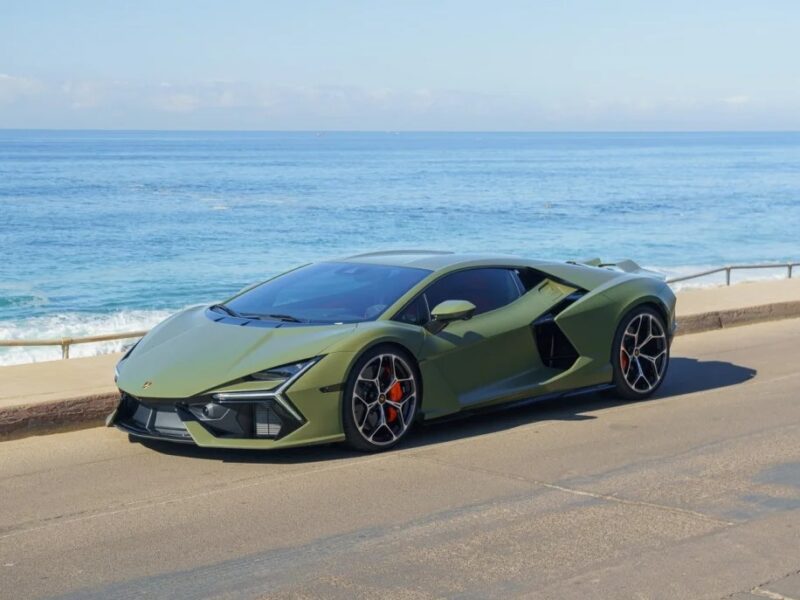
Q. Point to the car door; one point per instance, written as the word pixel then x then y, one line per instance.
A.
pixel 492 356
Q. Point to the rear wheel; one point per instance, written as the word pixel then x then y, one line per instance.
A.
pixel 640 354
pixel 381 399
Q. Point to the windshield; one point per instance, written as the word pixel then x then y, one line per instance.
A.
pixel 328 293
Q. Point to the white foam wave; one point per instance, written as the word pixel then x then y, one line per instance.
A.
pixel 73 325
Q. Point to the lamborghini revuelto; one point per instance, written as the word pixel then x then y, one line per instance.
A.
pixel 359 349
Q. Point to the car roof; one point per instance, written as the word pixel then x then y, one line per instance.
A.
pixel 434 260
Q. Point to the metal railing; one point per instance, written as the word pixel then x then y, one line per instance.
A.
pixel 66 342
pixel 728 268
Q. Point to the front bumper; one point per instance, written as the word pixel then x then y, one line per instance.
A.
pixel 149 421
pixel 232 418
pixel 174 421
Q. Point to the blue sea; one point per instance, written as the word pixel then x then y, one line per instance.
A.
pixel 112 231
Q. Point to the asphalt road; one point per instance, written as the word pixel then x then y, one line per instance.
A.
pixel 693 494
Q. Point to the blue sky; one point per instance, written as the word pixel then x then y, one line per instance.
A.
pixel 536 65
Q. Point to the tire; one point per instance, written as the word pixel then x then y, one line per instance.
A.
pixel 381 399
pixel 640 354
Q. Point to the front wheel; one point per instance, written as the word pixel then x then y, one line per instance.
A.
pixel 640 354
pixel 380 400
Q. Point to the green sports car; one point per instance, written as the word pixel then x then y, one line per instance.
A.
pixel 361 348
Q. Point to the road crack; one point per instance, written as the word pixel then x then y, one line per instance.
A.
pixel 578 492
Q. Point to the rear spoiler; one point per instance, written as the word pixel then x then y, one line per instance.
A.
pixel 625 266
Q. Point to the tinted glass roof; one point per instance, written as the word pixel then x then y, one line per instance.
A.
pixel 426 259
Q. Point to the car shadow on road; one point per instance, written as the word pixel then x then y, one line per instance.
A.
pixel 689 375
pixel 686 376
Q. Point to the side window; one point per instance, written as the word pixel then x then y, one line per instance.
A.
pixel 415 313
pixel 487 289
pixel 528 279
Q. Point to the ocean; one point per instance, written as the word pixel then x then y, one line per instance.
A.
pixel 112 231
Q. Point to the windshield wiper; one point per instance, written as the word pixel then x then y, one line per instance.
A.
pixel 288 318
pixel 278 317
pixel 225 309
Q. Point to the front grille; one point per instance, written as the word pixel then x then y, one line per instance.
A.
pixel 168 421
pixel 151 420
pixel 164 418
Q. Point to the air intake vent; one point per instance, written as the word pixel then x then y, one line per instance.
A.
pixel 555 349
pixel 566 303
pixel 268 423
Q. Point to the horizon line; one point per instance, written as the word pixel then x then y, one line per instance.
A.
pixel 396 131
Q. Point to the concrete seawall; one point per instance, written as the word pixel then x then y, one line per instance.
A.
pixel 705 309
pixel 56 395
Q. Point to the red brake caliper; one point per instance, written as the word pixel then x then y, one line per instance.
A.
pixel 395 394
pixel 623 360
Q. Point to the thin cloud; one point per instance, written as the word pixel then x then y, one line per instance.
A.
pixel 736 100
pixel 30 102
pixel 14 89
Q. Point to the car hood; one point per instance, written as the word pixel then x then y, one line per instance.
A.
pixel 190 353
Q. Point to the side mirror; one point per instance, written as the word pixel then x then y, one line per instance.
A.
pixel 450 310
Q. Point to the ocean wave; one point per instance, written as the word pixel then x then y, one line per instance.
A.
pixel 15 300
pixel 73 325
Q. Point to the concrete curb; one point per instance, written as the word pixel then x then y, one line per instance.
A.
pixel 57 415
pixel 722 319
pixel 90 411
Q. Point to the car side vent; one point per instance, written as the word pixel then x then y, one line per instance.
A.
pixel 555 349
pixel 566 303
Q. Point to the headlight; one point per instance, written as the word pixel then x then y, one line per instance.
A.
pixel 287 374
pixel 284 371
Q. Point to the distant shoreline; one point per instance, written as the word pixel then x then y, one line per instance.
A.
pixel 417 131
